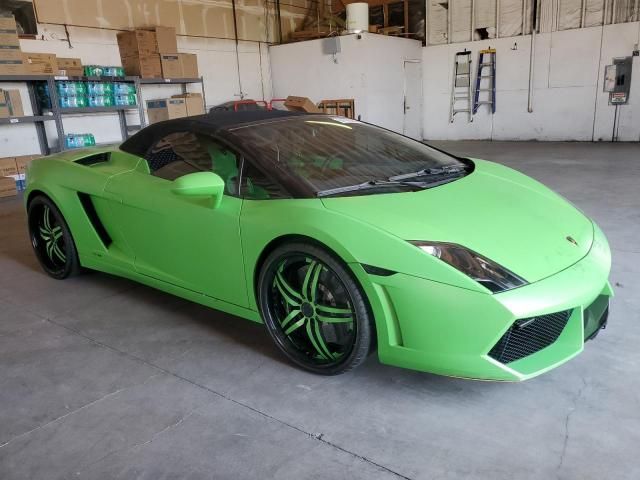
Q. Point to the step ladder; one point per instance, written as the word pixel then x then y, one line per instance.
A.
pixel 485 89
pixel 461 86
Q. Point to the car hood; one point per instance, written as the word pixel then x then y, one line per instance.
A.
pixel 495 211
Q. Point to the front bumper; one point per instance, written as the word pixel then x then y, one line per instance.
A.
pixel 434 327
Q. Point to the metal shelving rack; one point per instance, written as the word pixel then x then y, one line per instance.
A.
pixel 56 113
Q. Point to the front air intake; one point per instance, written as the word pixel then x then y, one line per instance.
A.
pixel 529 335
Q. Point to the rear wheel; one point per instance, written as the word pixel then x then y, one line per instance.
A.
pixel 314 310
pixel 51 239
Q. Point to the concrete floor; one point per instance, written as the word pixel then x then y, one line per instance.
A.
pixel 101 378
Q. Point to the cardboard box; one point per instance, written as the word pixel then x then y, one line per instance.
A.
pixel 8 23
pixel 7 187
pixel 70 67
pixel 11 68
pixel 13 102
pixel 301 104
pixel 66 63
pixel 8 166
pixel 10 52
pixel 41 63
pixel 9 39
pixel 166 39
pixel 23 161
pixel 11 57
pixel 166 109
pixel 137 43
pixel 171 65
pixel 189 63
pixel 9 32
pixel 193 102
pixel 146 66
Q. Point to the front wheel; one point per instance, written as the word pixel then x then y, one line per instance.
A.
pixel 51 239
pixel 314 310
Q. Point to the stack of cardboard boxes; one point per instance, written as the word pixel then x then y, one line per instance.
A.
pixel 12 174
pixel 13 61
pixel 11 57
pixel 145 53
pixel 139 53
pixel 154 54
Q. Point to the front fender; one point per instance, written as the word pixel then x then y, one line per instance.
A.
pixel 354 241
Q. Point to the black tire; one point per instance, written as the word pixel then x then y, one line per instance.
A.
pixel 314 309
pixel 51 239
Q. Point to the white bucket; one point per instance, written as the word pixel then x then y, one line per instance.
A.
pixel 358 17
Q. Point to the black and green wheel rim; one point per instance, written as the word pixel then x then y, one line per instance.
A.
pixel 312 311
pixel 47 236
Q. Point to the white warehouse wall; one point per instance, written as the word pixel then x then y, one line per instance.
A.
pixel 216 62
pixel 370 70
pixel 568 101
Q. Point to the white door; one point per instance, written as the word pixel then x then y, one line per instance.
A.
pixel 413 99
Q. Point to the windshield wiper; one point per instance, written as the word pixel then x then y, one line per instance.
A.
pixel 370 184
pixel 438 171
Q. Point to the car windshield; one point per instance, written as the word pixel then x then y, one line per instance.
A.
pixel 326 155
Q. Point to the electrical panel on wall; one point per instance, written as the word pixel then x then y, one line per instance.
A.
pixel 617 80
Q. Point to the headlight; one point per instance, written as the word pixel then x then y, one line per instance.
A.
pixel 484 271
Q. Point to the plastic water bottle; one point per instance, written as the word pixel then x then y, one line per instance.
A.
pixel 70 140
pixel 79 140
pixel 93 88
pixel 93 71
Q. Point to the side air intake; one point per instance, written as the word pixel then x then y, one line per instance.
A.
pixel 92 215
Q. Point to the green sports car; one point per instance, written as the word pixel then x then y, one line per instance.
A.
pixel 341 237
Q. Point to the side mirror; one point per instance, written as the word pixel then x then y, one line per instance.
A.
pixel 200 184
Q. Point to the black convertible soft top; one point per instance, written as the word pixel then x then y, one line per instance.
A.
pixel 140 143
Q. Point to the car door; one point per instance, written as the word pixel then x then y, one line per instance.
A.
pixel 183 240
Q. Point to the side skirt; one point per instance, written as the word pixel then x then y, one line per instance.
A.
pixel 96 264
